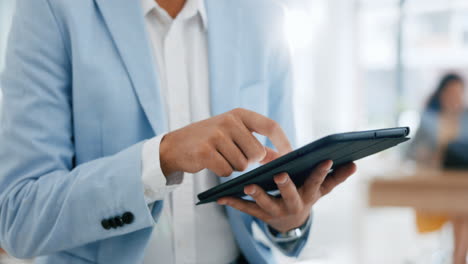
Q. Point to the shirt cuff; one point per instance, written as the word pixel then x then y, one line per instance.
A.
pixel 156 185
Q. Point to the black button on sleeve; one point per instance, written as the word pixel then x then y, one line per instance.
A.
pixel 118 221
pixel 105 224
pixel 128 218
pixel 112 223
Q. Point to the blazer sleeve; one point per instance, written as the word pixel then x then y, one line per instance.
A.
pixel 47 204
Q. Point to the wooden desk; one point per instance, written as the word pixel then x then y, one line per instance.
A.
pixel 428 190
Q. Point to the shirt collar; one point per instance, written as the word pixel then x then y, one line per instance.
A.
pixel 197 5
pixel 202 11
pixel 147 6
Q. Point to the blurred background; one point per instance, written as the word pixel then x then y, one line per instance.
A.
pixel 364 64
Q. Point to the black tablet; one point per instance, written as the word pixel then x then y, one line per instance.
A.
pixel 341 148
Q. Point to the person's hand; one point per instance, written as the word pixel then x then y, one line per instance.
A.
pixel 222 144
pixel 292 209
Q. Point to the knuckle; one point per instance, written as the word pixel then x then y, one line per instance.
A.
pixel 217 135
pixel 229 120
pixel 296 209
pixel 204 152
pixel 316 181
pixel 219 172
pixel 226 172
pixel 258 195
pixel 243 164
pixel 233 204
pixel 272 125
pixel 325 189
pixel 309 203
pixel 239 206
pixel 237 111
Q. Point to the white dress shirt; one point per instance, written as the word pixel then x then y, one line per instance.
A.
pixel 185 233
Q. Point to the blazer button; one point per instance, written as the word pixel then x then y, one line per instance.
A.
pixel 128 218
pixel 105 224
pixel 112 223
pixel 118 221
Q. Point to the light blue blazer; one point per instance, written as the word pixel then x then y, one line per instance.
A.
pixel 81 95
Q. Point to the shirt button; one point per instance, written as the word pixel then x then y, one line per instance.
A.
pixel 112 223
pixel 118 221
pixel 128 218
pixel 105 224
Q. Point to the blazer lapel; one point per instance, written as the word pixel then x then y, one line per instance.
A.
pixel 223 53
pixel 125 21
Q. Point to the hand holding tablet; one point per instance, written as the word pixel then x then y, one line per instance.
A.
pixel 340 148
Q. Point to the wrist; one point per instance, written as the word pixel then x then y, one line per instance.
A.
pixel 164 156
pixel 290 235
pixel 284 227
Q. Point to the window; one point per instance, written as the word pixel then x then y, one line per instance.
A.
pixel 405 46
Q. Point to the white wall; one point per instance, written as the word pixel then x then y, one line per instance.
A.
pixel 325 60
pixel 327 99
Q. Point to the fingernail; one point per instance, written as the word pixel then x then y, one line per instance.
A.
pixel 250 190
pixel 281 179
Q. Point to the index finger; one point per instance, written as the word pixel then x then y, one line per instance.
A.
pixel 265 126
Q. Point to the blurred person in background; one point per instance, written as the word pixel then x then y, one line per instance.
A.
pixel 442 124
